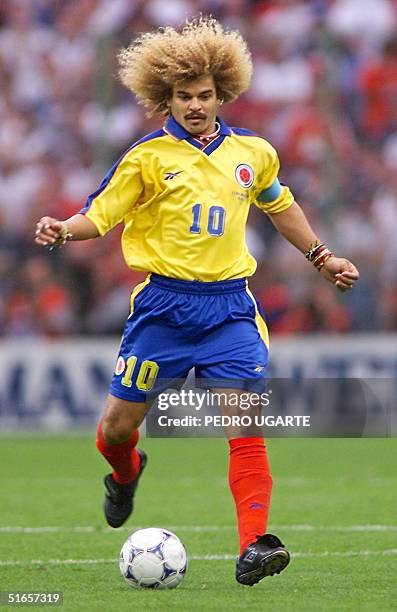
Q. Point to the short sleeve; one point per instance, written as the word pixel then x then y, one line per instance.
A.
pixel 116 196
pixel 271 196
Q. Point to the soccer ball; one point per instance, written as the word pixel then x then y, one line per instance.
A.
pixel 153 559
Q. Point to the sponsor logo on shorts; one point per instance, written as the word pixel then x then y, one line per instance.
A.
pixel 244 175
pixel 120 366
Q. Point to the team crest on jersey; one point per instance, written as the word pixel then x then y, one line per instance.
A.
pixel 244 175
pixel 120 366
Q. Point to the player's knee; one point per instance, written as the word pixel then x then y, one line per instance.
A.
pixel 116 430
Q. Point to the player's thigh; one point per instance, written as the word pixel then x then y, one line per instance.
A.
pixel 243 409
pixel 121 417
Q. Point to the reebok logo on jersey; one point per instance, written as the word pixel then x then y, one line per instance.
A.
pixel 171 175
pixel 244 175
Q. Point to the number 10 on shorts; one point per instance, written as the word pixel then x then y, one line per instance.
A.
pixel 146 377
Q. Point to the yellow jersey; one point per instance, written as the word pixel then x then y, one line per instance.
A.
pixel 185 206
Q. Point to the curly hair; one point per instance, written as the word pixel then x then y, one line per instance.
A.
pixel 153 63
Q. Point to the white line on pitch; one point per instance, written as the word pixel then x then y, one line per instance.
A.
pixel 195 528
pixel 324 554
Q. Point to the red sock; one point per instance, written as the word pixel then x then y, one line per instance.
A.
pixel 251 485
pixel 123 457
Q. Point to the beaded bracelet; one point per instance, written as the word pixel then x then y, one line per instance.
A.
pixel 323 257
pixel 318 254
pixel 64 236
pixel 313 250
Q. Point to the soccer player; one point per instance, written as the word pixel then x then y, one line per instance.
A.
pixel 183 194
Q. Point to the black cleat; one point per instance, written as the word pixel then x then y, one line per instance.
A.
pixel 119 498
pixel 265 557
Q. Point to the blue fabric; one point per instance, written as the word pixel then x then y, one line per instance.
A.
pixel 182 325
pixel 178 131
pixel 271 193
pixel 198 287
pixel 244 132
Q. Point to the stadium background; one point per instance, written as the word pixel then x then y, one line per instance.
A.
pixel 325 94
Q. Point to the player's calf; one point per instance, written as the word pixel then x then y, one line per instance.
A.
pixel 119 498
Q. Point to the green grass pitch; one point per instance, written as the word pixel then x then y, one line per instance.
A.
pixel 333 505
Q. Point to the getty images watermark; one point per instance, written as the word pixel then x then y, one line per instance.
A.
pixel 288 407
pixel 197 410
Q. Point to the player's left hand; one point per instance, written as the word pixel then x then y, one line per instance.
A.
pixel 340 272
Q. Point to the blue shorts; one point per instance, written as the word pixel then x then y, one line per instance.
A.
pixel 176 325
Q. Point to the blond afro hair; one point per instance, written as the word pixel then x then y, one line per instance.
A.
pixel 153 63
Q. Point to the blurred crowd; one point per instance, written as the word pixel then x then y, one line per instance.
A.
pixel 324 93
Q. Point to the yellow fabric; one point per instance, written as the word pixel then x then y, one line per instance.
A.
pixel 136 292
pixel 260 322
pixel 283 202
pixel 161 233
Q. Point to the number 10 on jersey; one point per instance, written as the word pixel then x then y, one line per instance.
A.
pixel 215 222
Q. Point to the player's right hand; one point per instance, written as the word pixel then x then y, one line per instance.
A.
pixel 50 232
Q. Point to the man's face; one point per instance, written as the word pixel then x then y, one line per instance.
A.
pixel 194 105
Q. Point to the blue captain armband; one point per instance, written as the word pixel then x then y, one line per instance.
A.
pixel 271 193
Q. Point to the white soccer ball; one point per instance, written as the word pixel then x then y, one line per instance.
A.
pixel 153 559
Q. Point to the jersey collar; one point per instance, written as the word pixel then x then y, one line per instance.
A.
pixel 175 129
